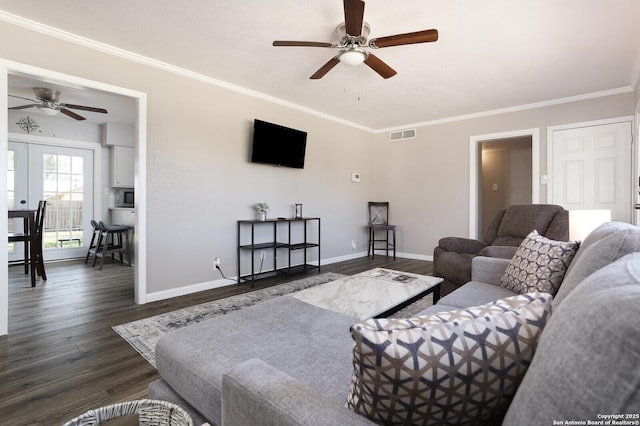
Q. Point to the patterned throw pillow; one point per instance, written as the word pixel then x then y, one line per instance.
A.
pixel 455 367
pixel 539 264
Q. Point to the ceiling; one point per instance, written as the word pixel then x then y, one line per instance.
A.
pixel 491 54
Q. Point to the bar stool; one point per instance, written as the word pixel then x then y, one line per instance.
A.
pixel 95 238
pixel 111 241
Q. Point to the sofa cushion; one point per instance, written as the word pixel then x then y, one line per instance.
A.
pixel 460 366
pixel 475 293
pixel 437 308
pixel 302 340
pixel 539 264
pixel 587 359
pixel 604 245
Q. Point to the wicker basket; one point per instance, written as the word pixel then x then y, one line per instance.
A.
pixel 150 413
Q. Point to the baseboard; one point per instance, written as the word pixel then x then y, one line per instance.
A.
pixel 415 256
pixel 364 254
pixel 209 285
pixel 194 288
pixel 341 258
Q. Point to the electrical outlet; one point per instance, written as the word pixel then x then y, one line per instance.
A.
pixel 353 244
pixel 216 262
pixel 263 255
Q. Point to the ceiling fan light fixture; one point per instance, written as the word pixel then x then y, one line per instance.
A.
pixel 47 110
pixel 353 56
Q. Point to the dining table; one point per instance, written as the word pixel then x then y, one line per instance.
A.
pixel 30 240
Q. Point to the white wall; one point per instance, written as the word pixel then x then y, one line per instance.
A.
pixel 199 179
pixel 426 179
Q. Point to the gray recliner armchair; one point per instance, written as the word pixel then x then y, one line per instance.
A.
pixel 452 258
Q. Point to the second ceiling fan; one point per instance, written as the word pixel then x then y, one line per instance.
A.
pixel 353 42
pixel 48 102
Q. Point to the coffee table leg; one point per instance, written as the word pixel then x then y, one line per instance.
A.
pixel 436 294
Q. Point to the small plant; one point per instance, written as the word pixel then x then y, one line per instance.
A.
pixel 262 207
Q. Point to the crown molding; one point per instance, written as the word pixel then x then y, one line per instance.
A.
pixel 134 57
pixel 543 104
pixel 183 72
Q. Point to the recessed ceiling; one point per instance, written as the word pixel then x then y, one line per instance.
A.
pixel 491 54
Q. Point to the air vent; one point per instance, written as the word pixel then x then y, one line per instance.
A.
pixel 395 136
pixel 402 135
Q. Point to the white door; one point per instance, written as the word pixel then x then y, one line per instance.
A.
pixel 64 178
pixel 591 168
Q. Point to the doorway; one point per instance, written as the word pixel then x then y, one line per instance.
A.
pixel 505 176
pixel 9 68
pixel 63 176
pixel 516 146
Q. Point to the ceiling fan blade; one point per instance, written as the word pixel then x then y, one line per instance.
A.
pixel 26 99
pixel 25 106
pixel 425 36
pixel 379 66
pixel 302 43
pixel 353 17
pixel 71 114
pixel 84 108
pixel 325 68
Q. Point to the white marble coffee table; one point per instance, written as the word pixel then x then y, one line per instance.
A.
pixel 375 293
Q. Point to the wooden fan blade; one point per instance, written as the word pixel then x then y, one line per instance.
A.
pixel 353 17
pixel 301 43
pixel 84 108
pixel 25 106
pixel 71 114
pixel 20 97
pixel 325 68
pixel 425 36
pixel 380 67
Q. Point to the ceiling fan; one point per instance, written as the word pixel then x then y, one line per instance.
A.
pixel 353 42
pixel 48 103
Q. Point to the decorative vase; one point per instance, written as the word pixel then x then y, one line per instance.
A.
pixel 262 215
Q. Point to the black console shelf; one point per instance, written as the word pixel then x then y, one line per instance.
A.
pixel 280 241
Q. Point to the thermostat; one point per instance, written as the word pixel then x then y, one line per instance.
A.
pixel 355 177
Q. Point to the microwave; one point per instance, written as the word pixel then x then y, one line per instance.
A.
pixel 125 198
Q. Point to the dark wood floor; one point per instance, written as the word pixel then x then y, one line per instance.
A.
pixel 61 357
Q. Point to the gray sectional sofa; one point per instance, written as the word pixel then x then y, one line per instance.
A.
pixel 284 362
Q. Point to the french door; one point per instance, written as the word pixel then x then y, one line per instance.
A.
pixel 63 177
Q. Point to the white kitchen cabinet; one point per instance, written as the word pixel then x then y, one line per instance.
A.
pixel 118 134
pixel 122 166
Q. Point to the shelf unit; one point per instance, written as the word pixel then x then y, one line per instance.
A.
pixel 286 235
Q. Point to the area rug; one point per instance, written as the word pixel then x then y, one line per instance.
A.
pixel 143 334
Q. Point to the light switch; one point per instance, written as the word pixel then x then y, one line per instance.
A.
pixel 495 187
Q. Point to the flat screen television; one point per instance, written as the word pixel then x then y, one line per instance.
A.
pixel 278 145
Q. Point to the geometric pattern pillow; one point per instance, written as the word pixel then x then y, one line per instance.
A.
pixel 539 264
pixel 458 367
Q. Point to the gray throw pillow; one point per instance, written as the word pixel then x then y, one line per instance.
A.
pixel 539 264
pixel 457 367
